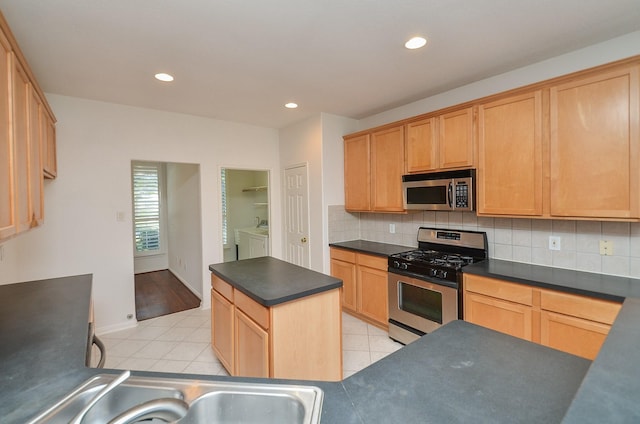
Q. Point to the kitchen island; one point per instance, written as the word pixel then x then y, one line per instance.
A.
pixel 274 319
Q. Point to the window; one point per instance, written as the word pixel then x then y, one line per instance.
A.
pixel 146 179
pixel 223 179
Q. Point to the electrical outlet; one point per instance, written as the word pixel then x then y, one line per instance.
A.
pixel 1 253
pixel 120 216
pixel 606 247
pixel 392 228
pixel 554 243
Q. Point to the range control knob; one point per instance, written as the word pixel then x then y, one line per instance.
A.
pixel 403 266
pixel 396 264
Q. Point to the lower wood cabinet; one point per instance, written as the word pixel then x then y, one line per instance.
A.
pixel 365 285
pixel 567 322
pixel 300 339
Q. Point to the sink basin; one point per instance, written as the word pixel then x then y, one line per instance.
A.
pixel 209 401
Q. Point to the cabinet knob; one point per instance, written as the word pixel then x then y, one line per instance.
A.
pixel 303 239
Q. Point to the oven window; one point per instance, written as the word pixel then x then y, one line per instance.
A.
pixel 420 301
pixel 435 195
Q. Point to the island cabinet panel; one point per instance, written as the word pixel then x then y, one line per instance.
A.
pixel 343 266
pixel 365 289
pixel 307 338
pixel 222 330
pixel 252 347
pixel 510 156
pixel 299 339
pixel 387 168
pixel 595 145
pixel 8 225
pixel 571 323
pixel 357 173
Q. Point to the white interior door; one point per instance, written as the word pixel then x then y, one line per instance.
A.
pixel 297 215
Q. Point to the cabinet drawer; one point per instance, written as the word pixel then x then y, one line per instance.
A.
pixel 499 289
pixel 580 306
pixel 377 262
pixel 343 255
pixel 222 287
pixel 257 312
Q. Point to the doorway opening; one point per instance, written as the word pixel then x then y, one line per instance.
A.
pixel 167 237
pixel 245 213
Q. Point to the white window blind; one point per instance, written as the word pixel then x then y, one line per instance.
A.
pixel 223 179
pixel 146 206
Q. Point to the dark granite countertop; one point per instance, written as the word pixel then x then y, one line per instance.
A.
pixel 466 373
pixel 459 373
pixel 371 247
pixel 270 281
pixel 602 286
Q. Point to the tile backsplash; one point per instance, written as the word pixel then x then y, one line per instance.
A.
pixel 520 240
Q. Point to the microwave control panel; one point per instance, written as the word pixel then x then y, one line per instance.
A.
pixel 462 195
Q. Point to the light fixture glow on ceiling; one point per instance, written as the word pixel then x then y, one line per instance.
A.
pixel 415 43
pixel 164 77
pixel 291 105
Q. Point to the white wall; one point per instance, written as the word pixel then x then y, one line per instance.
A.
pixel 96 143
pixel 598 54
pixel 184 235
pixel 333 128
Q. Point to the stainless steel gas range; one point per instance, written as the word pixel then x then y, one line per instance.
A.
pixel 425 284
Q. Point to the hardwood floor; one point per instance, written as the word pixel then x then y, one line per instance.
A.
pixel 160 293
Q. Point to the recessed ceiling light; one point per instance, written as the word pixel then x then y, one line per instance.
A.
pixel 415 43
pixel 291 105
pixel 164 77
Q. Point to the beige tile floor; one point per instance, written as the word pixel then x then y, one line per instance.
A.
pixel 180 343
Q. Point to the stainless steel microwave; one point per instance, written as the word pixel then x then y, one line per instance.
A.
pixel 440 191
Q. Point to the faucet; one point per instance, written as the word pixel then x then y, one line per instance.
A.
pixel 102 393
pixel 165 409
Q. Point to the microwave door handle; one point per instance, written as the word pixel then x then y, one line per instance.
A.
pixel 450 195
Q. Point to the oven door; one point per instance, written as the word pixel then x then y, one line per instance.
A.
pixel 420 305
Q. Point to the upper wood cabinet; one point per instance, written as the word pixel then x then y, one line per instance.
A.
pixel 510 156
pixel 441 142
pixel 387 168
pixel 8 224
pixel 357 173
pixel 373 169
pixel 26 124
pixel 595 146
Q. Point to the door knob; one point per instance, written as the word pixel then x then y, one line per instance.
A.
pixel 303 239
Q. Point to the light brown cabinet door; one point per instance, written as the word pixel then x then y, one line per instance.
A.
pixel 21 96
pixel 357 173
pixel 252 347
pixel 222 334
pixel 510 156
pixel 455 140
pixel 347 273
pixel 499 315
pixel 8 224
pixel 36 177
pixel 387 168
pixel 573 335
pixel 595 146
pixel 373 296
pixel 422 145
pixel 48 133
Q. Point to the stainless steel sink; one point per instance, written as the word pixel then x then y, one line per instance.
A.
pixel 209 401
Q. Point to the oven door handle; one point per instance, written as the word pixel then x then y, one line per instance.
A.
pixel 450 195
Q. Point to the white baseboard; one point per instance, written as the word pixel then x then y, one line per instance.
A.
pixel 116 327
pixel 187 285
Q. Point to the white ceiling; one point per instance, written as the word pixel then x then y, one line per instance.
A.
pixel 241 60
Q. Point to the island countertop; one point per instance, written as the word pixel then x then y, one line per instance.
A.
pixel 270 281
